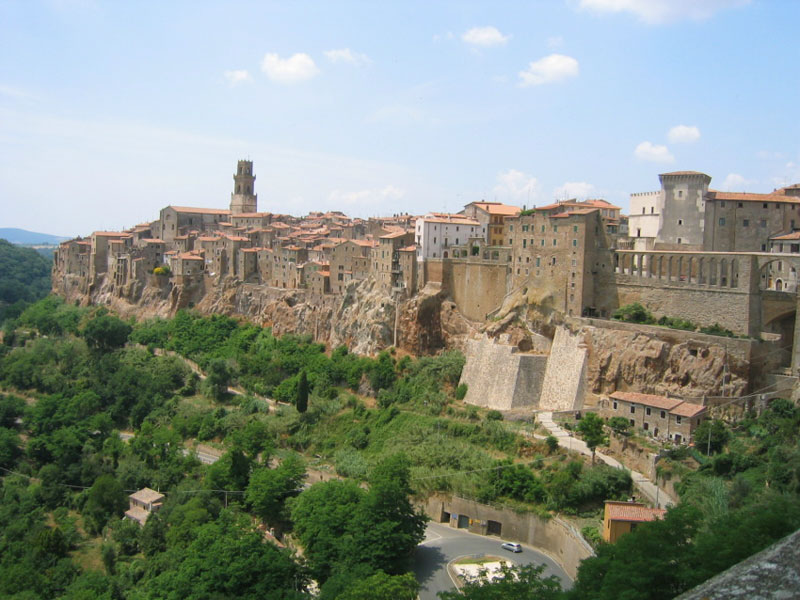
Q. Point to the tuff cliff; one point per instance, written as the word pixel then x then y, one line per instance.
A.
pixel 363 318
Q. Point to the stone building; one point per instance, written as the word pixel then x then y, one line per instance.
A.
pixel 243 197
pixel 662 417
pixel 142 504
pixel 349 261
pixel 386 259
pixel 559 254
pixel 178 220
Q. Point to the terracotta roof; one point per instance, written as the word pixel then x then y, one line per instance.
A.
pixel 365 243
pixel 408 249
pixel 497 208
pixel 324 273
pixel 208 238
pixel 394 234
pixel 252 215
pixel 153 240
pixel 687 409
pixel 208 211
pixel 746 197
pixel 633 512
pixel 238 238
pixel 147 496
pixel 292 248
pixel 795 235
pixel 111 234
pixel 188 256
pixel 647 399
pixel 249 249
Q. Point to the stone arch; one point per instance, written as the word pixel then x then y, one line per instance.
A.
pixel 724 276
pixel 445 254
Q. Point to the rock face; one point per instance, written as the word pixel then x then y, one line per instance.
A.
pixel 363 318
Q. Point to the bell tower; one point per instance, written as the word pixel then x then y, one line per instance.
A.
pixel 243 197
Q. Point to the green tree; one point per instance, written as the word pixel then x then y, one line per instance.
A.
pixel 591 428
pixel 386 528
pixel 381 586
pixel 106 332
pixel 519 582
pixel 301 401
pixel 105 499
pixel 711 436
pixel 619 425
pixel 269 489
pixel 218 378
pixel 552 443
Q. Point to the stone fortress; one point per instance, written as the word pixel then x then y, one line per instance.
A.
pixel 685 251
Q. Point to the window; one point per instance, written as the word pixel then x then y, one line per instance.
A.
pixel 643 210
pixel 538 261
pixel 524 228
pixel 663 414
pixel 542 242
pixel 615 405
pixel 511 228
pixel 745 222
pixel 555 228
pixel 763 223
pixel 680 221
pixel 680 193
pixel 542 228
pixel 652 210
pixel 574 262
pixel 647 411
pixel 633 409
pixel 524 243
pixel 765 205
pixel 574 243
pixel 678 419
pixel 740 205
pixel 722 220
pixel 575 229
pixel 646 426
pixel 555 242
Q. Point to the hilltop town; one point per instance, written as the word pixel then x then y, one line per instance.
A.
pixel 542 281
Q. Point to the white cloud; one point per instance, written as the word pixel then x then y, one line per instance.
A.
pixel 683 134
pixel 516 186
pixel 653 153
pixel 485 36
pixel 17 93
pixel 550 69
pixel 736 183
pixel 575 189
pixel 657 12
pixel 296 68
pixel 346 55
pixel 378 200
pixel 238 76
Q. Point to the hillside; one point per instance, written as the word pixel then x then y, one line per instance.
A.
pixel 23 236
pixel 24 278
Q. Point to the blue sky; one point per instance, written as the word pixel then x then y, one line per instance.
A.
pixel 111 110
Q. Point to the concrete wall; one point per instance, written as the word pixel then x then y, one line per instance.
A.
pixel 557 538
pixel 498 377
pixel 565 378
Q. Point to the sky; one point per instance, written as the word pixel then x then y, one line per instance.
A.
pixel 110 111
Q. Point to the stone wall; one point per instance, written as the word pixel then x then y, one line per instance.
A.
pixel 560 540
pixel 477 288
pixel 499 377
pixel 564 380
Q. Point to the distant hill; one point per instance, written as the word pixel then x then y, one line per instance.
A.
pixel 21 236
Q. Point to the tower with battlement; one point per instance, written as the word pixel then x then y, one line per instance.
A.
pixel 243 197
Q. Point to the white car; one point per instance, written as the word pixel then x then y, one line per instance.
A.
pixel 511 547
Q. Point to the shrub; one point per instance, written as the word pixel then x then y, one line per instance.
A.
pixel 162 270
pixel 461 391
pixel 494 415
pixel 633 313
pixel 552 443
pixel 717 329
pixel 619 425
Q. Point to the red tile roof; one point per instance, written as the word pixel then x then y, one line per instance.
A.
pixel 208 211
pixel 687 409
pixel 497 208
pixel 633 512
pixel 746 197
pixel 795 235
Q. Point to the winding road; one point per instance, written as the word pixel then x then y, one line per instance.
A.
pixel 443 544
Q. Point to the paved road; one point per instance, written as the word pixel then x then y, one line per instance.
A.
pixel 642 483
pixel 443 544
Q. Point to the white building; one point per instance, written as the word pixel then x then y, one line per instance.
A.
pixel 436 233
pixel 644 221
